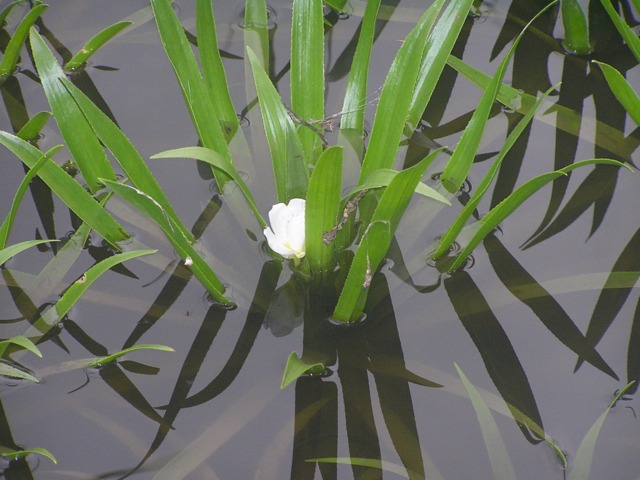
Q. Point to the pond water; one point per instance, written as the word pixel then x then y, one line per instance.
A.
pixel 214 408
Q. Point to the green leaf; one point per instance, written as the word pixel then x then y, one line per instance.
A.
pixel 382 177
pixel 256 32
pixel 459 165
pixel 31 129
pixel 124 152
pixel 213 72
pixel 13 372
pixel 377 238
pixel 21 341
pixel 465 214
pixel 521 102
pixel 355 97
pixel 94 44
pixel 439 46
pixel 290 171
pixel 183 246
pixel 199 101
pixel 69 191
pixel 114 356
pixel 497 450
pixel 13 48
pixel 4 13
pixel 307 71
pixel 295 368
pixel 629 36
pixel 395 99
pixel 622 90
pixel 576 32
pixel 7 253
pixel 582 464
pixel 54 314
pixel 24 453
pixel 78 135
pixel 7 224
pixel 501 211
pixel 337 5
pixel 322 209
pixel 218 162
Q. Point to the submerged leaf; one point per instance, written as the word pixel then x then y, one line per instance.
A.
pixel 584 456
pixel 493 442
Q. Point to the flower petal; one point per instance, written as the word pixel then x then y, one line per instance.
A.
pixel 277 244
pixel 287 233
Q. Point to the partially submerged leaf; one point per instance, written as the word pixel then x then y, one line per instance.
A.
pixel 296 367
pixel 114 356
pixel 513 201
pixel 13 372
pixel 21 341
pixel 92 46
pixel 8 252
pixel 23 453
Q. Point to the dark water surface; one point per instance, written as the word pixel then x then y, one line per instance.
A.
pixel 214 409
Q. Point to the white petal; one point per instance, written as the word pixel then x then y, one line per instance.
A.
pixel 277 244
pixel 287 233
pixel 296 236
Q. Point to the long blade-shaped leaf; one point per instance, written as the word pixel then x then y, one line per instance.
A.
pixel 183 246
pixel 124 152
pixel 513 201
pixel 290 171
pixel 54 314
pixel 497 450
pixel 439 46
pixel 576 32
pixel 459 165
pixel 198 100
pixel 21 341
pixel 377 238
pixel 307 70
pixel 7 223
pixel 628 34
pixel 355 96
pixel 622 89
pixel 94 44
pixel 465 214
pixel 13 250
pixel 584 455
pixel 395 99
pixel 78 135
pixel 212 69
pixel 218 162
pixel 69 191
pixel 321 210
pixel 13 48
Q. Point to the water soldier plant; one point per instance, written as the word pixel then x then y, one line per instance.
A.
pixel 340 242
pixel 339 197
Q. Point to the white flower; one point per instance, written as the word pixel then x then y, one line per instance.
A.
pixel 286 235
